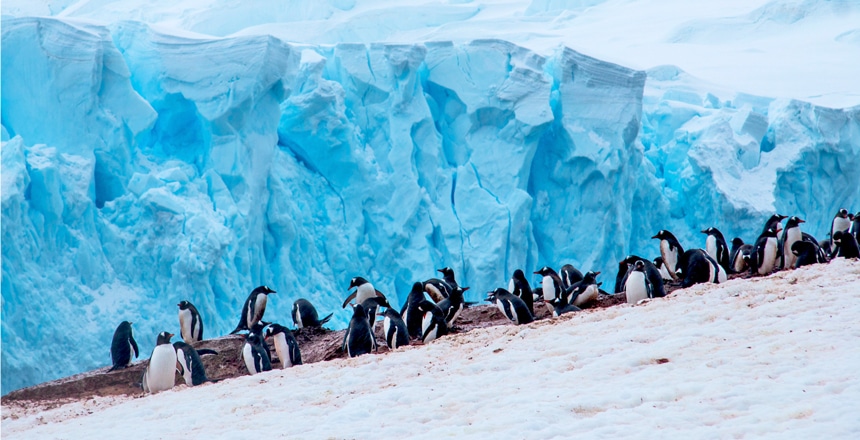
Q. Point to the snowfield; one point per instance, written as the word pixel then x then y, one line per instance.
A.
pixel 766 357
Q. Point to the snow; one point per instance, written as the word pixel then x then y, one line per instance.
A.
pixel 766 357
pixel 162 151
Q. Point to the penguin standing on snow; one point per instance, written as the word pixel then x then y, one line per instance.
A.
pixel 637 286
pixel 740 257
pixel 190 324
pixel 433 323
pixel 583 291
pixel 453 305
pixel 190 366
pixel 256 356
pixel 840 223
pixel 513 307
pixel 805 253
pixel 412 316
pixel 696 266
pixel 519 286
pixel 305 314
pixel 717 248
pixel 790 235
pixel 765 253
pixel 363 291
pixel 396 334
pixel 159 373
pixel 670 250
pixel 122 346
pixel 285 345
pixel 359 339
pixel 254 308
pixel 655 278
pixel 845 245
pixel 551 285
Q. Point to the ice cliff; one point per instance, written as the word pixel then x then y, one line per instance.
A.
pixel 140 169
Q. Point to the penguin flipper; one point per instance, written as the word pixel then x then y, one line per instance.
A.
pixel 349 298
pixel 204 351
pixel 325 320
pixel 239 328
pixel 134 345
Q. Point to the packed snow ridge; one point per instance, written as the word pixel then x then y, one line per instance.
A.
pixel 142 167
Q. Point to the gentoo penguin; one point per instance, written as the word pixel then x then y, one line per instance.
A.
pixel 359 339
pixel 855 227
pixel 774 223
pixel 637 286
pixel 664 273
pixel 790 235
pixel 717 248
pixel 569 276
pixel 285 345
pixel 513 307
pixel 371 305
pixel 453 305
pixel 122 346
pixel 822 253
pixel 159 373
pixel 252 311
pixel 448 276
pixel 438 289
pixel 519 286
pixel 651 272
pixel 190 366
pixel 845 245
pixel 740 256
pixel 670 250
pixel 559 307
pixel 696 266
pixel 840 222
pixel 190 324
pixel 363 291
pixel 410 313
pixel 255 355
pixel 805 253
pixel 551 284
pixel 765 253
pixel 433 323
pixel 583 291
pixel 394 328
pixel 305 314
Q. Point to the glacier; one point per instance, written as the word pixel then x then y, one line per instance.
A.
pixel 141 168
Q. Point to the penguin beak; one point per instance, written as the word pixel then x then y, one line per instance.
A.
pixel 596 273
pixel 705 231
pixel 655 237
pixel 170 335
pixel 801 221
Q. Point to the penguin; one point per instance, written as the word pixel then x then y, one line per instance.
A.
pixel 190 324
pixel 363 291
pixel 453 305
pixel 764 257
pixel 790 235
pixel 559 307
pixel 254 308
pixel 190 366
pixel 551 285
pixel 410 313
pixel 395 331
pixel 658 289
pixel 371 305
pixel 740 256
pixel 845 245
pixel 774 223
pixel 855 227
pixel 359 339
pixel 670 250
pixel 637 286
pixel 584 291
pixel 159 374
pixel 257 358
pixel 285 345
pixel 513 307
pixel 822 253
pixel 448 276
pixel 519 286
pixel 717 248
pixel 622 275
pixel 664 273
pixel 438 289
pixel 569 276
pixel 433 323
pixel 305 315
pixel 840 223
pixel 805 253
pixel 122 346
pixel 696 266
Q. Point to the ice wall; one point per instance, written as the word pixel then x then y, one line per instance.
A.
pixel 140 169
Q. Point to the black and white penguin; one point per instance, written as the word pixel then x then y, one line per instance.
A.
pixel 513 307
pixel 396 334
pixel 448 276
pixel 410 313
pixel 438 289
pixel 658 290
pixel 717 248
pixel 664 273
pixel 845 245
pixel 774 222
pixel 159 374
pixel 559 307
pixel 740 257
pixel 551 285
pixel 840 222
pixel 453 305
pixel 122 346
pixel 359 339
pixel 637 286
pixel 696 266
pixel 253 309
pixel 671 250
pixel 285 345
pixel 190 366
pixel 190 324
pixel 855 227
pixel 790 234
pixel 822 253
pixel 256 356
pixel 371 305
pixel 569 276
pixel 765 253
pixel 363 291
pixel 805 253
pixel 305 315
pixel 584 291
pixel 519 286
pixel 433 323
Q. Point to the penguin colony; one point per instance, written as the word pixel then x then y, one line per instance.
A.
pixel 432 307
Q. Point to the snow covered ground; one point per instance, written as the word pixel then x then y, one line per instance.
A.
pixel 771 357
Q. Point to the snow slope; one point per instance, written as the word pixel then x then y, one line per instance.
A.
pixel 767 357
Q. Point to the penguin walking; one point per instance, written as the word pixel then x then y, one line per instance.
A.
pixel 637 286
pixel 363 291
pixel 122 346
pixel 453 305
pixel 359 339
pixel 740 256
pixel 765 252
pixel 569 276
pixel 584 291
pixel 845 245
pixel 410 313
pixel 716 247
pixel 190 366
pixel 513 307
pixel 670 250
pixel 255 355
pixel 551 285
pixel 790 234
pixel 305 315
pixel 433 323
pixel 190 324
pixel 664 273
pixel 285 345
pixel 159 373
pixel 396 334
pixel 696 266
pixel 519 286
pixel 253 309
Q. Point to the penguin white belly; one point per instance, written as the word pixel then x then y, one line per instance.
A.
pixel 739 265
pixel 590 294
pixel 548 294
pixel 162 365
pixel 664 273
pixel 283 350
pixel 670 258
pixel 248 356
pixel 711 246
pixel 386 326
pixel 364 292
pixel 839 224
pixel 635 287
pixel 425 324
pixel 792 236
pixel 511 285
pixel 722 276
pixel 500 305
pixel 769 259
pixel 259 309
pixel 297 318
pixel 456 314
pixel 130 353
pixel 186 369
pixel 185 325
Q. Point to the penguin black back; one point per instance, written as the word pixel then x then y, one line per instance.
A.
pixel 522 289
pixel 192 369
pixel 569 276
pixel 305 314
pixel 845 245
pixel 253 308
pixel 717 248
pixel 410 313
pixel 190 323
pixel 122 346
pixel 448 276
pixel 256 357
pixel 359 338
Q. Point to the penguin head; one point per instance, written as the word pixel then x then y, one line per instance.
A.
pixel 737 241
pixel 658 262
pixel 357 281
pixel 591 276
pixel 163 338
pixel 426 306
pixel 770 232
pixel 263 289
pixel 274 329
pixel 639 266
pixel 660 235
pixel 184 305
pixel 544 271
pixel 358 311
pixel 446 271
pixel 708 231
pixel 837 237
pixel 842 213
pixel 519 275
pixel 253 338
pixel 793 221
